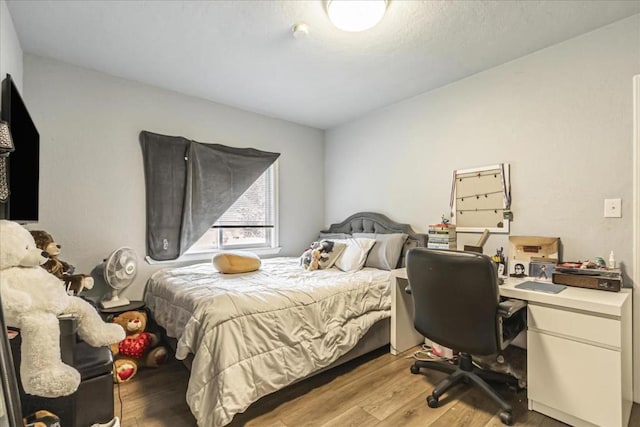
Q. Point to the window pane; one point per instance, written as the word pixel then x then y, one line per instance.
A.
pixel 208 241
pixel 254 207
pixel 245 236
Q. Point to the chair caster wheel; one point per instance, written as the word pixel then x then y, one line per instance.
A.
pixel 506 418
pixel 414 369
pixel 432 401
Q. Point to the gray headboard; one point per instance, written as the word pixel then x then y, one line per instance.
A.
pixel 372 222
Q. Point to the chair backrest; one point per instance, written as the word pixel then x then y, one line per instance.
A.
pixel 455 299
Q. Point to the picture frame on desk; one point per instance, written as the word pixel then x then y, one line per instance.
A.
pixel 518 268
pixel 542 270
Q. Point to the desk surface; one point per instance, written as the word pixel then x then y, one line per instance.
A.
pixel 603 302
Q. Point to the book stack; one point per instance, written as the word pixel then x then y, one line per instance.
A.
pixel 442 236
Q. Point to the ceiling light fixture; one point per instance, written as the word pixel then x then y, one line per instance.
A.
pixel 356 15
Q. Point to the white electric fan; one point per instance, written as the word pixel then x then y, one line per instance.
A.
pixel 119 270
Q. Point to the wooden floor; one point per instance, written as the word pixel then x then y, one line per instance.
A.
pixel 376 390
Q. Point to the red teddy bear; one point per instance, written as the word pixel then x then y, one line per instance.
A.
pixel 138 349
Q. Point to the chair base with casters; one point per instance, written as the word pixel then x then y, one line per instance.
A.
pixel 467 372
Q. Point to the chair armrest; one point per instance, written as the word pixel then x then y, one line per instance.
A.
pixel 511 320
pixel 509 307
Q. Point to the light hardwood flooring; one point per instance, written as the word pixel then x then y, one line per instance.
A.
pixel 375 390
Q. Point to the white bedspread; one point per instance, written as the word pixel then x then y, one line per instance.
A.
pixel 255 333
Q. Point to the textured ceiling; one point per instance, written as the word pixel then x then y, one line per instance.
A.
pixel 242 53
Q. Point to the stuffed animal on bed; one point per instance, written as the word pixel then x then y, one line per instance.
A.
pixel 138 349
pixel 310 258
pixel 321 255
pixel 32 299
pixel 73 283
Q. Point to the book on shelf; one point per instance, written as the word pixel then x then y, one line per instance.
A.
pixel 441 237
pixel 442 227
pixel 442 234
pixel 450 245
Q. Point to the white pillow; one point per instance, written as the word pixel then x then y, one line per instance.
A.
pixel 355 254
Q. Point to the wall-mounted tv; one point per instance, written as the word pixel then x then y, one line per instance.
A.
pixel 24 162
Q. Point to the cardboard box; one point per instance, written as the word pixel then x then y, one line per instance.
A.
pixel 534 248
pixel 526 249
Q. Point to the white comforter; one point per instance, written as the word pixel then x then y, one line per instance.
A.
pixel 255 333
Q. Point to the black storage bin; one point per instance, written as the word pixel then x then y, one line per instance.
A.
pixel 93 401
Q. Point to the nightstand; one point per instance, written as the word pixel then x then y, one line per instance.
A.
pixel 108 313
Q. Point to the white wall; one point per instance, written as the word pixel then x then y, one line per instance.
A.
pixel 562 117
pixel 92 197
pixel 10 50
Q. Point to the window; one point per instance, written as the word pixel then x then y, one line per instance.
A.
pixel 249 223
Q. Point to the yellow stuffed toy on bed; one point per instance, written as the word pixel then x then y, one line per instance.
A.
pixel 231 262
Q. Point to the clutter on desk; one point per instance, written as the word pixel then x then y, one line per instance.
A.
pixel 588 267
pixel 533 256
pixel 588 274
pixel 442 235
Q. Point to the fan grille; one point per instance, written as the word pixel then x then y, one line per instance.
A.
pixel 121 268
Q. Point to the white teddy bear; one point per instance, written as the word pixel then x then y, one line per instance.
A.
pixel 32 299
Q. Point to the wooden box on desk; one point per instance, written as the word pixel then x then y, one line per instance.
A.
pixel 595 281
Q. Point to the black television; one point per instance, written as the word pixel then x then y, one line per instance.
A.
pixel 24 163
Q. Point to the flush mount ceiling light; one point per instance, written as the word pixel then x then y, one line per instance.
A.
pixel 356 15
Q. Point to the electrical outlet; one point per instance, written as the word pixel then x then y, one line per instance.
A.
pixel 612 208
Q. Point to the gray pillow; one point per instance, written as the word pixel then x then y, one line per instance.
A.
pixel 386 252
pixel 334 236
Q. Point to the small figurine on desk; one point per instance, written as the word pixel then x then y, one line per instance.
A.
pixel 588 264
pixel 498 258
pixel 445 220
pixel 600 262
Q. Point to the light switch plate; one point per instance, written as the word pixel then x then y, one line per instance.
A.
pixel 612 208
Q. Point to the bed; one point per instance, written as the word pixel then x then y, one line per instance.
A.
pixel 251 334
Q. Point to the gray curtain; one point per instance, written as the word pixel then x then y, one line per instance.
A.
pixel 190 185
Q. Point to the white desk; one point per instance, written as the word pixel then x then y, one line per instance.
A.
pixel 579 344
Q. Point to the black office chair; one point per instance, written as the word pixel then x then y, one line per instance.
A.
pixel 456 304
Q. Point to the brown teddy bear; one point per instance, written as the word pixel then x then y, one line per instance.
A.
pixel 62 270
pixel 138 349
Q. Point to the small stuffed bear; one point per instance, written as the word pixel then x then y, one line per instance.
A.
pixel 32 300
pixel 62 270
pixel 311 257
pixel 138 349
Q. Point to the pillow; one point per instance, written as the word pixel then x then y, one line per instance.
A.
pixel 321 255
pixel 386 252
pixel 230 262
pixel 355 254
pixel 332 236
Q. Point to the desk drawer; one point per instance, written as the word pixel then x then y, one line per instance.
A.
pixel 578 379
pixel 579 326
